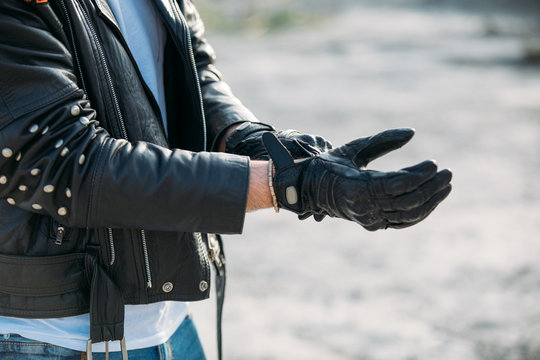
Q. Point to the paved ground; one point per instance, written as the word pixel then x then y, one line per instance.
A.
pixel 464 284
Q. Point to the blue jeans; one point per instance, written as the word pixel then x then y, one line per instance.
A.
pixel 183 344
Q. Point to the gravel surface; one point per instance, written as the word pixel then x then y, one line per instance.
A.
pixel 465 283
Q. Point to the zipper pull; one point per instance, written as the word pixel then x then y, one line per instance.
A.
pixel 60 232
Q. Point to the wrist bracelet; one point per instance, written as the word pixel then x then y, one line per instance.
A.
pixel 272 192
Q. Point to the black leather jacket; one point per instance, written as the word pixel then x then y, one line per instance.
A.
pixel 98 208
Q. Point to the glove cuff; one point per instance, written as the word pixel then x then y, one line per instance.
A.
pixel 237 143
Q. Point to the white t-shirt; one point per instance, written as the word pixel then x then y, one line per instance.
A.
pixel 145 325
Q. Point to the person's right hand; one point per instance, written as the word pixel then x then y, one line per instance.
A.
pixel 337 183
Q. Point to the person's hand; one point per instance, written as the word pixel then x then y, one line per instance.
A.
pixel 337 183
pixel 246 139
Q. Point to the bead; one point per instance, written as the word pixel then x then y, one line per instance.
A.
pixel 10 201
pixel 35 172
pixel 68 193
pixel 19 156
pixel 7 152
pixel 75 110
pixel 58 143
pixel 48 188
pixel 62 211
pixel 37 207
pixel 33 128
pixel 84 120
pixel 64 151
pixel 45 130
pixel 82 158
pixel 23 187
pixel 3 180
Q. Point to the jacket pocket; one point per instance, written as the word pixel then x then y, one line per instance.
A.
pixel 43 286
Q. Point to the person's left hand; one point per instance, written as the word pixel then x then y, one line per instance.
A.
pixel 246 139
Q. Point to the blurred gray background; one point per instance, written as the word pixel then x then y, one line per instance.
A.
pixel 465 283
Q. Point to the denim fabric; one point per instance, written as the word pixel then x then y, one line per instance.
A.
pixel 184 344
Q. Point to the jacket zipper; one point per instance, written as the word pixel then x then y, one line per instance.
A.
pixel 146 260
pixel 203 254
pixel 60 232
pixel 149 93
pixel 193 70
pixel 124 135
pixel 75 53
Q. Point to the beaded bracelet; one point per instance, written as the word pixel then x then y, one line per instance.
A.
pixel 271 171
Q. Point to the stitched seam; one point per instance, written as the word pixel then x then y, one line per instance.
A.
pixel 46 100
pixel 30 344
pixel 93 184
pixel 59 96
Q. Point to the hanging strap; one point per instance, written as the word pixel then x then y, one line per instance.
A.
pixel 217 256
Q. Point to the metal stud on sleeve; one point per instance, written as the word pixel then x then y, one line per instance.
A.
pixel 7 152
pixel 75 110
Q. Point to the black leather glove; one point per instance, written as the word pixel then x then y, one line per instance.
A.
pixel 247 140
pixel 336 183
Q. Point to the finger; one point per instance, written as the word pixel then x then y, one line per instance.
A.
pixel 304 216
pixel 378 145
pixel 319 217
pixel 381 224
pixel 418 196
pixel 419 213
pixel 403 181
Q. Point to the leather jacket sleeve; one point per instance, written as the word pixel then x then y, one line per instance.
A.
pixel 222 108
pixel 56 160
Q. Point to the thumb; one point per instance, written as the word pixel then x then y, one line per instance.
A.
pixel 364 150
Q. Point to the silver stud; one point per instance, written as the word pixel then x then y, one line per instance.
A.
pixel 167 287
pixel 23 187
pixel 58 143
pixel 35 172
pixel 48 188
pixel 33 128
pixel 19 156
pixel 44 131
pixel 62 211
pixel 10 201
pixel 96 123
pixel 84 120
pixel 75 110
pixel 37 207
pixel 203 286
pixel 81 159
pixel 64 151
pixel 3 179
pixel 7 152
pixel 68 193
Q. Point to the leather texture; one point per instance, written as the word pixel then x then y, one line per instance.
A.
pixel 246 139
pixel 84 150
pixel 337 183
